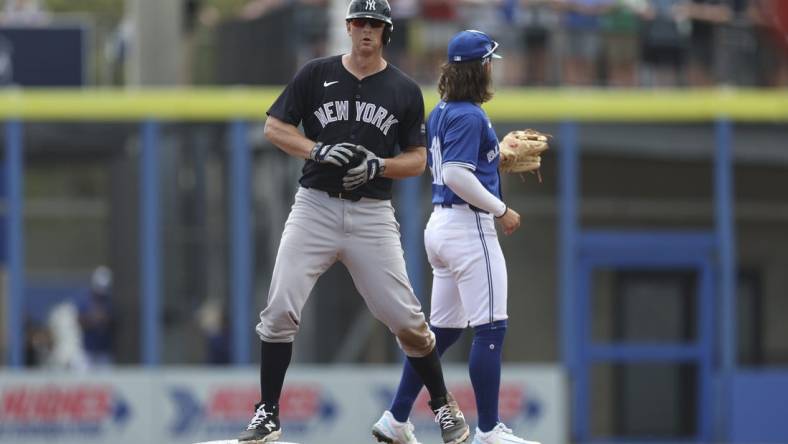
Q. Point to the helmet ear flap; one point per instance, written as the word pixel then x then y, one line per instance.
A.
pixel 387 34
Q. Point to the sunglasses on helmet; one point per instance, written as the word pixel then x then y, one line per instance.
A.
pixel 362 21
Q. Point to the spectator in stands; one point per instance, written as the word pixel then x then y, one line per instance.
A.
pixel 509 32
pixel 538 21
pixel 258 8
pixel 400 50
pixel 490 16
pixel 24 12
pixel 213 322
pixel 581 39
pixel 38 343
pixel 311 29
pixel 484 15
pixel 706 18
pixel 664 41
pixel 97 319
pixel 440 23
pixel 621 42
pixel 771 65
pixel 736 48
pixel 67 352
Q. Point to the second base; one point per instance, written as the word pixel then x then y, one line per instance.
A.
pixel 235 441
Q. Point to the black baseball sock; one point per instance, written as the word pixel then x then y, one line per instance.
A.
pixel 274 360
pixel 431 373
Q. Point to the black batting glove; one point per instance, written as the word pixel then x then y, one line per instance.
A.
pixel 339 154
pixel 370 167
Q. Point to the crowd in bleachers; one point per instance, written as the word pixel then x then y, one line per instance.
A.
pixel 619 43
pixel 616 43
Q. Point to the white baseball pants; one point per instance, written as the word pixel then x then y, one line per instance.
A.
pixel 469 271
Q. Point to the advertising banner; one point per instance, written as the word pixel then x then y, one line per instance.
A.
pixel 321 404
pixel 43 407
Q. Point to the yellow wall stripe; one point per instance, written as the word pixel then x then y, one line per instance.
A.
pixel 508 105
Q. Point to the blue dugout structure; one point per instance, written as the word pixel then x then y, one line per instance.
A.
pixel 711 253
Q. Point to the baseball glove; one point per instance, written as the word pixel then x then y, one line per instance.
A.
pixel 520 151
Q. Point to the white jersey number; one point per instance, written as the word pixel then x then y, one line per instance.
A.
pixel 437 161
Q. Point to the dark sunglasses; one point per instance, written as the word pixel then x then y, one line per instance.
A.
pixel 361 22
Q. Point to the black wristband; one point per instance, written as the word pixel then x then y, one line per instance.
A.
pixel 506 210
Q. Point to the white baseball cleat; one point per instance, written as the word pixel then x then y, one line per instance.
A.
pixel 500 434
pixel 391 431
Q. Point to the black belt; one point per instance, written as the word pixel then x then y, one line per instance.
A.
pixel 344 195
pixel 471 207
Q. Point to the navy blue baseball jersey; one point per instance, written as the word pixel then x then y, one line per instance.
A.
pixel 383 112
pixel 460 133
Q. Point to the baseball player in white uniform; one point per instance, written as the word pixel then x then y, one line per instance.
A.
pixel 469 270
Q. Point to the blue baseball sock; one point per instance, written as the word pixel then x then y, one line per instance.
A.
pixel 410 383
pixel 484 366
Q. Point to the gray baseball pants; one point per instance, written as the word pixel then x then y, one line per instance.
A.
pixel 363 235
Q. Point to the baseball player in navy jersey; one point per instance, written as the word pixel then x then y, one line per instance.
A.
pixel 469 271
pixel 363 126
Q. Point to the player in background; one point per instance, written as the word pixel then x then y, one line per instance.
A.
pixel 353 107
pixel 469 272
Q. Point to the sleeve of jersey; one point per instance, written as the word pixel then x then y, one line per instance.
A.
pixel 462 182
pixel 461 142
pixel 412 133
pixel 290 105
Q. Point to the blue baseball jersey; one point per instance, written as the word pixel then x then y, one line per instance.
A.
pixel 460 133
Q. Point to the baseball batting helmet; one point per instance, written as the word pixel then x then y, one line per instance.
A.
pixel 372 9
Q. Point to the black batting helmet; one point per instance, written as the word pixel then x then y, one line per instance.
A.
pixel 372 9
